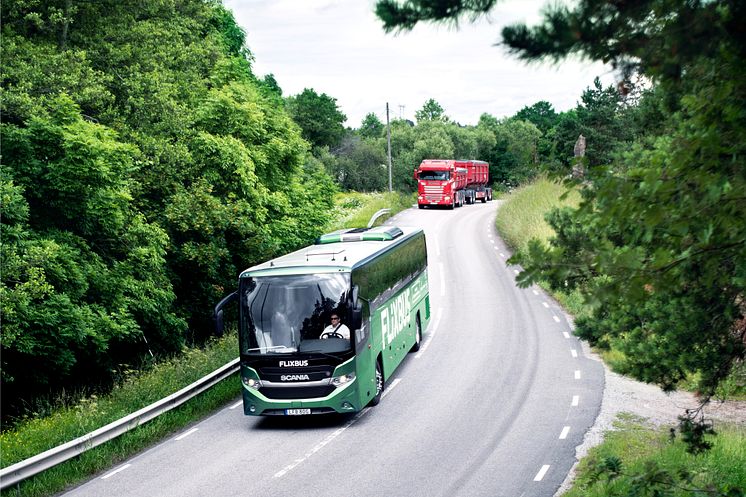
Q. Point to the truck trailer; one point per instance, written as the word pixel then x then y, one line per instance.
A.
pixel 477 181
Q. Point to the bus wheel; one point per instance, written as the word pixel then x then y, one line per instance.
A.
pixel 379 384
pixel 417 336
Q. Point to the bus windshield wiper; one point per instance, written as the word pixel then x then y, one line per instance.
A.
pixel 274 348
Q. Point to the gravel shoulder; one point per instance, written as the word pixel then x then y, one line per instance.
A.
pixel 624 395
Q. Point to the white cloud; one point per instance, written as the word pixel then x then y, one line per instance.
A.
pixel 339 48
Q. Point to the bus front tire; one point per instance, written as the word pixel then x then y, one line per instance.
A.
pixel 379 384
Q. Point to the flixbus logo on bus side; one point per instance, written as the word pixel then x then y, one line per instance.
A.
pixel 395 317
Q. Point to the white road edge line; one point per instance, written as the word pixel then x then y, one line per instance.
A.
pixel 535 292
pixel 564 433
pixel 565 334
pixel 556 318
pixel 575 400
pixel 236 404
pixel 121 468
pixel 540 475
pixel 545 305
pixel 332 436
pixel 184 435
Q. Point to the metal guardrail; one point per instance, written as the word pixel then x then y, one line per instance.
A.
pixel 29 467
pixel 376 216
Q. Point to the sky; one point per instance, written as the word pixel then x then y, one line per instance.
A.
pixel 338 47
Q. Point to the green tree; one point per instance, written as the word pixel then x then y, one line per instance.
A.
pixel 430 111
pixel 319 117
pixel 371 127
pixel 658 246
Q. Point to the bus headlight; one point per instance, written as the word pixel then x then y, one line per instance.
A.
pixel 338 381
pixel 252 383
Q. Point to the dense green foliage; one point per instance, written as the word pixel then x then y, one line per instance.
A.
pixel 658 244
pixel 655 463
pixel 143 167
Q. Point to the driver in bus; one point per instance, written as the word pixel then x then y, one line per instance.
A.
pixel 336 329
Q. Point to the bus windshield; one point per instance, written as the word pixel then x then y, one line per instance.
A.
pixel 286 314
pixel 434 175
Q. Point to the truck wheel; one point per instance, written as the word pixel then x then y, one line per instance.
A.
pixel 484 200
pixel 379 384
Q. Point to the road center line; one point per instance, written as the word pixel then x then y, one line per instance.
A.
pixel 575 400
pixel 577 374
pixel 540 475
pixel 184 435
pixel 574 352
pixel 121 468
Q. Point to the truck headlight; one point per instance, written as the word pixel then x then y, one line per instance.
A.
pixel 252 383
pixel 338 381
pixel 447 198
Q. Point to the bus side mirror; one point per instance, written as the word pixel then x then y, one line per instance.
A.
pixel 218 313
pixel 356 319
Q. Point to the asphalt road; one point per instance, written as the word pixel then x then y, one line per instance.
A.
pixel 493 404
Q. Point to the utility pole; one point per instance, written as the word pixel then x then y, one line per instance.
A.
pixel 388 139
pixel 401 108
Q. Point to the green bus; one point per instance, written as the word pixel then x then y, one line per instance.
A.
pixel 373 279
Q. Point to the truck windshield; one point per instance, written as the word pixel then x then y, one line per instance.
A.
pixel 285 314
pixel 435 175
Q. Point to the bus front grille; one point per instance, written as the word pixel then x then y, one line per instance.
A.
pixel 298 392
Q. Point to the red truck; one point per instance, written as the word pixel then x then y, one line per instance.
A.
pixel 452 183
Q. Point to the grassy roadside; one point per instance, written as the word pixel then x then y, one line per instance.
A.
pixel 354 210
pixel 36 435
pixel 68 421
pixel 634 454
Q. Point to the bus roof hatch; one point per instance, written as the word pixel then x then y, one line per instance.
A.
pixel 379 233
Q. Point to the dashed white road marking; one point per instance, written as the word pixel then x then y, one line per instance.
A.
pixel 556 319
pixel 236 404
pixel 332 436
pixel 575 400
pixel 540 475
pixel 565 334
pixel 545 305
pixel 564 433
pixel 535 292
pixel 515 271
pixel 574 352
pixel 184 435
pixel 577 374
pixel 121 468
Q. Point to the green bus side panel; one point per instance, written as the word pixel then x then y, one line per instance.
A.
pixel 393 324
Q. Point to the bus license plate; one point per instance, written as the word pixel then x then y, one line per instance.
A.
pixel 297 412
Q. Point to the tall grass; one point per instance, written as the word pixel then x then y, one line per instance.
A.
pixel 354 210
pixel 521 217
pixel 652 456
